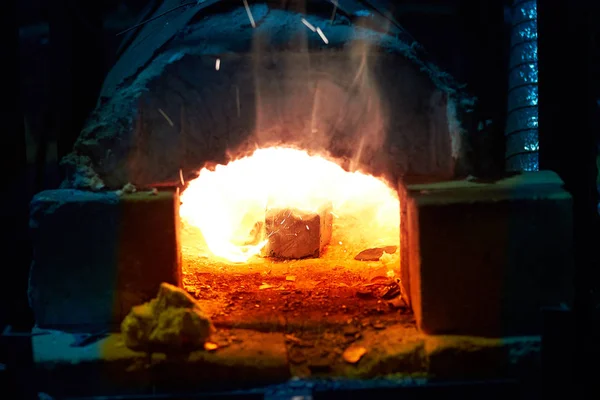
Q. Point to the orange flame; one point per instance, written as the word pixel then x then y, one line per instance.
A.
pixel 229 203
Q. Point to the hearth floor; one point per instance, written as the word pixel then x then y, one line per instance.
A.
pixel 305 299
pixel 310 294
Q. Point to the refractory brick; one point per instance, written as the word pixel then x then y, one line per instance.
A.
pixel 485 258
pixel 98 254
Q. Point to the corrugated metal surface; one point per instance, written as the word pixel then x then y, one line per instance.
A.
pixel 522 121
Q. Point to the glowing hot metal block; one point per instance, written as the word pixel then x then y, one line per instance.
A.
pixel 295 234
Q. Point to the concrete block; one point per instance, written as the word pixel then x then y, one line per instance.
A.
pixel 98 254
pixel 295 234
pixel 483 258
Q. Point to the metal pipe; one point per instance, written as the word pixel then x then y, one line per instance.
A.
pixel 522 145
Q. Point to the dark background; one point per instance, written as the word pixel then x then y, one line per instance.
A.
pixel 56 53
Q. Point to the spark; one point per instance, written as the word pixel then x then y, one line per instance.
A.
pixel 307 228
pixel 166 117
pixel 218 64
pixel 320 32
pixel 249 14
pixel 309 25
pixel 181 177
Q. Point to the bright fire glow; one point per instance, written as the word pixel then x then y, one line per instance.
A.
pixel 229 203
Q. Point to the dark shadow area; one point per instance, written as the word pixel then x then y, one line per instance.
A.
pixel 568 129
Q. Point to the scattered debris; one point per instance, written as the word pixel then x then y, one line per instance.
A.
pixel 381 289
pixel 181 177
pixel 171 321
pixel 397 302
pixel 299 342
pixel 292 338
pixel 235 339
pixel 83 339
pixel 374 254
pixel 393 291
pixel 353 354
pixel 265 286
pixel 210 346
pixel 301 298
pixel 353 338
pixel 153 192
pixel 128 188
pixel 378 325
